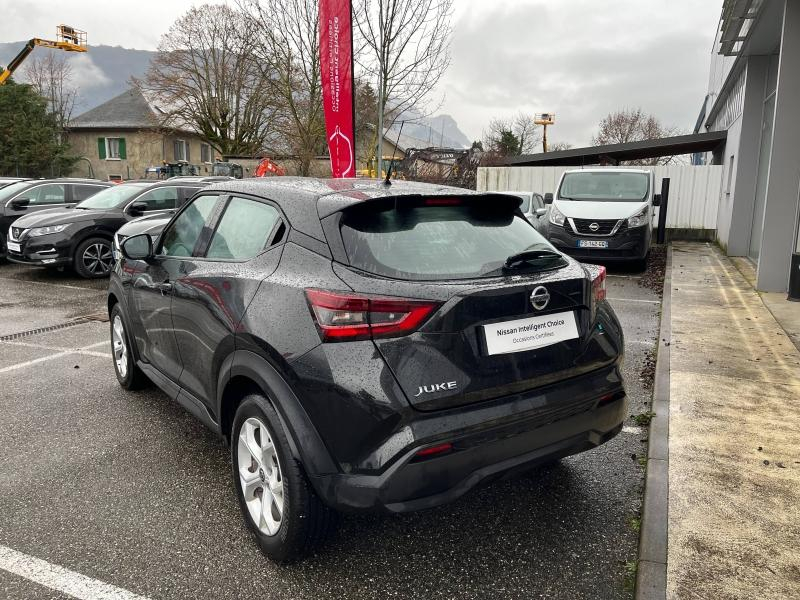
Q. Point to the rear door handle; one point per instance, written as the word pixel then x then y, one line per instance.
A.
pixel 164 288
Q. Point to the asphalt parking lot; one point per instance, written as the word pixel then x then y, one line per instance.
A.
pixel 128 490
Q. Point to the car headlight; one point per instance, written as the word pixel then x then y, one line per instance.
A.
pixel 37 231
pixel 556 216
pixel 639 218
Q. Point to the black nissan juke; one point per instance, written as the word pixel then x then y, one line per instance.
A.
pixel 366 346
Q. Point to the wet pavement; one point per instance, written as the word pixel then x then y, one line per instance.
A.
pixel 128 489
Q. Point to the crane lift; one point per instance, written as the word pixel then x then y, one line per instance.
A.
pixel 68 39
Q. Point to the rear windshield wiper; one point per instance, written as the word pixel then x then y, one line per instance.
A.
pixel 516 260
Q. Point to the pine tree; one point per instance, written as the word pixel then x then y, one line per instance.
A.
pixel 29 137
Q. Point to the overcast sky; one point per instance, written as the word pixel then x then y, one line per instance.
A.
pixel 578 58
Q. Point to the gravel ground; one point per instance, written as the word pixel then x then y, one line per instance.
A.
pixel 129 489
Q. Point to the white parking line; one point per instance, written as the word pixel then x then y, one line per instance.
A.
pixel 61 579
pixel 28 363
pixel 624 276
pixel 633 300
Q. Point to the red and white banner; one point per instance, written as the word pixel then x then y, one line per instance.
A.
pixel 336 60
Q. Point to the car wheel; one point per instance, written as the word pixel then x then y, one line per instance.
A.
pixel 93 258
pixel 278 503
pixel 129 375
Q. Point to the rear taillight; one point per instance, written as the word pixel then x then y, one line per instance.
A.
pixel 599 285
pixel 344 317
pixel 598 288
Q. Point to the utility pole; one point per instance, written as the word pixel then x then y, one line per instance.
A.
pixel 544 119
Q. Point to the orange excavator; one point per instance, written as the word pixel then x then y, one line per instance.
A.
pixel 68 39
pixel 266 167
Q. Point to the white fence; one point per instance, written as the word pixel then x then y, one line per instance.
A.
pixel 694 191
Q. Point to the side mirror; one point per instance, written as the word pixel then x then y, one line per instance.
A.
pixel 138 247
pixel 548 198
pixel 541 211
pixel 20 203
pixel 137 208
pixel 657 200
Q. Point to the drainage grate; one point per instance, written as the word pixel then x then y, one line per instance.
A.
pixel 97 317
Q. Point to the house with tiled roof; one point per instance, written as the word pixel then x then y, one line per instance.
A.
pixel 126 135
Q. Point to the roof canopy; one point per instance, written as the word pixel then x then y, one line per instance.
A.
pixel 616 153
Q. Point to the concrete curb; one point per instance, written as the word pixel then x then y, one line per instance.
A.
pixel 651 576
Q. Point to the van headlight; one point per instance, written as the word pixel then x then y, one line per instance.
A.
pixel 556 216
pixel 638 219
pixel 37 231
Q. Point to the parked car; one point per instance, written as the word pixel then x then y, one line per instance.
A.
pixel 82 237
pixel 364 346
pixel 603 214
pixel 31 196
pixel 533 207
pixel 4 181
pixel 149 224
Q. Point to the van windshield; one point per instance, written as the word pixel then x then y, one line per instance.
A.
pixel 613 187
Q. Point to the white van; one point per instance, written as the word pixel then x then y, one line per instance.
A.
pixel 603 214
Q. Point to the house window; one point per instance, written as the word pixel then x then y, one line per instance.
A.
pixel 111 148
pixel 206 155
pixel 181 150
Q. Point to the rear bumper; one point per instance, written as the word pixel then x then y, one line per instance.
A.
pixel 580 419
pixel 630 244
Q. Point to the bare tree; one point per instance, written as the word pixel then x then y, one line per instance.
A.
pixel 51 77
pixel 288 53
pixel 404 45
pixel 558 146
pixel 206 75
pixel 521 125
pixel 633 125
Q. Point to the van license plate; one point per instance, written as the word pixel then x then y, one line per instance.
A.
pixel 527 334
pixel 13 247
pixel 592 244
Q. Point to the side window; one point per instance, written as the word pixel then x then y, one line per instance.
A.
pixel 52 193
pixel 184 232
pixel 82 192
pixel 163 198
pixel 243 230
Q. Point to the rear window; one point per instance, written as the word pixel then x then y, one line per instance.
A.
pixel 462 240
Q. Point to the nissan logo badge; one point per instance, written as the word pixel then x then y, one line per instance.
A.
pixel 540 297
pixel 594 226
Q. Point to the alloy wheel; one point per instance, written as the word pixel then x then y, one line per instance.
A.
pixel 120 348
pixel 97 258
pixel 260 476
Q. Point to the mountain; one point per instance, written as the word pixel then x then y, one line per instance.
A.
pixel 99 74
pixel 105 71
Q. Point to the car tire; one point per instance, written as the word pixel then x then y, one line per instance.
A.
pixel 128 374
pixel 295 520
pixel 93 258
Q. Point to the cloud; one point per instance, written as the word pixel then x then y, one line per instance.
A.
pixel 581 60
pixel 87 75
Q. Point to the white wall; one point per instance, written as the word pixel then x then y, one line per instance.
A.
pixel 694 192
